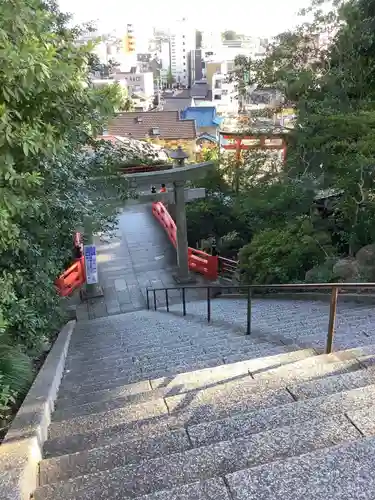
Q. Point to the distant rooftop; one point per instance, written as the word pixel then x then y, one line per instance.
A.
pixel 163 124
pixel 204 116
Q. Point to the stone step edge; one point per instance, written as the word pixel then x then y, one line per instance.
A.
pixel 333 399
pixel 152 381
pixel 297 427
pixel 341 356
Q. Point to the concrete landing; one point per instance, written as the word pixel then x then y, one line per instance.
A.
pixel 138 256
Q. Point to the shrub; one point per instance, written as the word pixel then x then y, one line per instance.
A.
pixel 283 255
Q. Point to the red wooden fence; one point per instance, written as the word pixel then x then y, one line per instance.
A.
pixel 74 276
pixel 200 262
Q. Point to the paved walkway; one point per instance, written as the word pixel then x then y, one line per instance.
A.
pixel 139 255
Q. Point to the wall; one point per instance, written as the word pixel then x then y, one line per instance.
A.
pixel 138 82
pixel 211 69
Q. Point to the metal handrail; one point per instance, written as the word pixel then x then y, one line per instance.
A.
pixel 334 287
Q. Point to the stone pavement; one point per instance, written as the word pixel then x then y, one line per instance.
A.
pixel 139 255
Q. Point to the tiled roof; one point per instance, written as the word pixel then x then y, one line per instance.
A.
pixel 204 116
pixel 175 104
pixel 139 125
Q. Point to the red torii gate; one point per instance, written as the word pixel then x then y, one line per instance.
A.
pixel 265 141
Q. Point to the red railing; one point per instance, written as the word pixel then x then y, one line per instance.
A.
pixel 136 169
pixel 73 277
pixel 200 262
pixel 203 263
pixel 163 216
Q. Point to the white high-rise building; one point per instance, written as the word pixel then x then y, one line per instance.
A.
pixel 182 42
pixel 211 40
pixel 165 59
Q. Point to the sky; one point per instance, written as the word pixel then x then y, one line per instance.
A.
pixel 252 17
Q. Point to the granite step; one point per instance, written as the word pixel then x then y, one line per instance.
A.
pixel 333 384
pixel 200 379
pixel 151 418
pixel 344 472
pixel 107 372
pixel 259 420
pixel 131 449
pixel 153 474
pixel 255 419
pixel 137 375
pixel 146 363
pixel 109 353
pixel 106 435
pixel 93 402
pixel 212 489
pixel 298 367
pixel 207 404
pixel 305 369
pixel 181 383
pixel 127 414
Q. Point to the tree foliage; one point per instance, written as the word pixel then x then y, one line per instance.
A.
pixel 53 173
pixel 325 69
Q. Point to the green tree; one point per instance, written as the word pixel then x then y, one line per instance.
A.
pixel 229 35
pixel 50 169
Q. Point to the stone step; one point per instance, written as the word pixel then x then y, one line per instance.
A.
pixel 206 462
pixel 180 384
pixel 130 392
pixel 268 418
pixel 111 399
pixel 76 357
pixel 118 454
pixel 333 384
pixel 79 433
pixel 206 404
pixel 120 367
pixel 126 414
pixel 344 472
pixel 307 368
pixel 132 431
pixel 134 375
pixel 212 489
pixel 106 372
pixel 256 419
pixel 115 357
pixel 264 375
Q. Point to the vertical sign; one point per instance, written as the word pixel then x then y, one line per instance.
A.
pixel 90 264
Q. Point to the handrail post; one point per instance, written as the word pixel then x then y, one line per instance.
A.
pixel 332 319
pixel 208 304
pixel 183 302
pixel 155 300
pixel 147 298
pixel 166 299
pixel 248 326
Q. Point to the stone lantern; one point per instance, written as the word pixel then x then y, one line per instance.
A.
pixel 178 156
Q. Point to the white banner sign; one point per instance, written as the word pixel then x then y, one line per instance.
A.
pixel 90 264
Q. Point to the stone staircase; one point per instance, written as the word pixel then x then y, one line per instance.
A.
pixel 154 406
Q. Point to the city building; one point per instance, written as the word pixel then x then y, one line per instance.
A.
pixel 182 42
pixel 196 66
pixel 137 82
pixel 211 40
pixel 224 93
pixel 165 60
pixel 207 123
pixel 163 128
